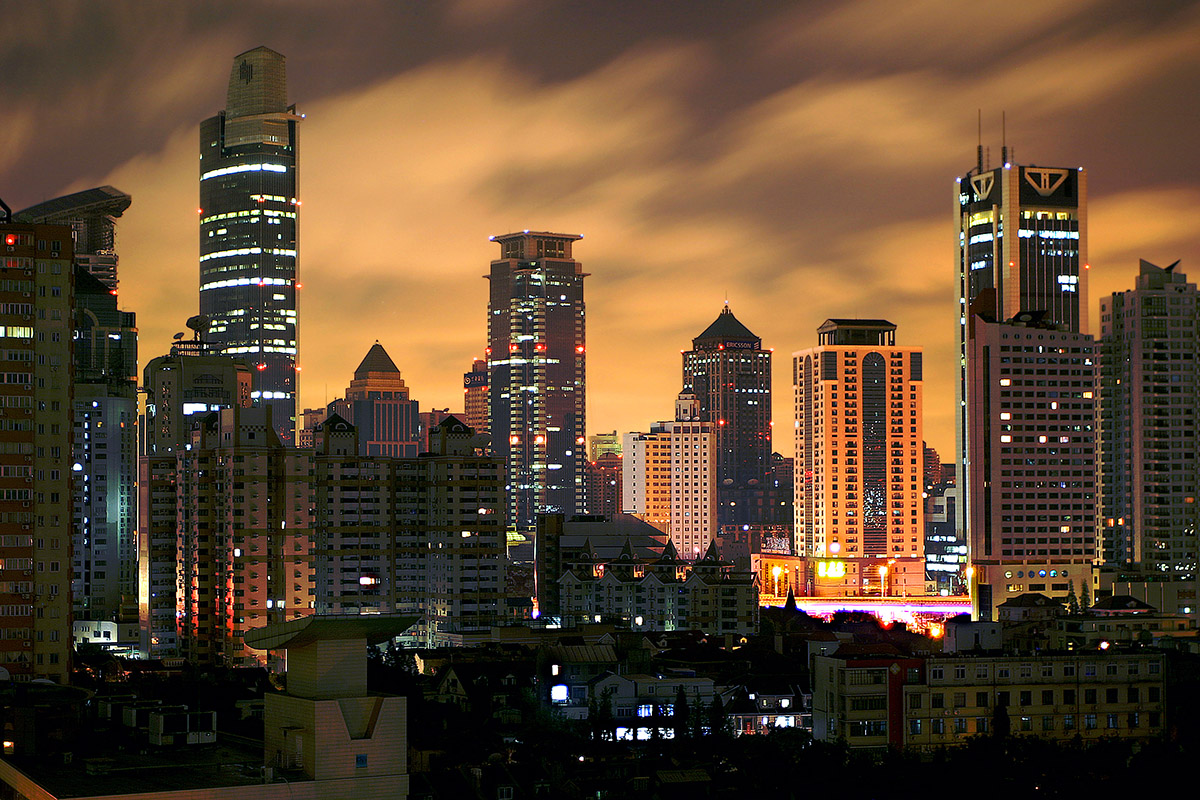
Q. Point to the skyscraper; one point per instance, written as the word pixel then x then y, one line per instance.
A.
pixel 1022 247
pixel 537 373
pixel 379 407
pixel 860 460
pixel 1149 396
pixel 248 244
pixel 729 373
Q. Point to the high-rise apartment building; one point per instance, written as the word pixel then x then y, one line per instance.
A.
pixel 248 244
pixel 475 395
pixel 36 313
pixel 1031 467
pixel 244 525
pixel 1149 399
pixel 860 460
pixel 92 217
pixel 182 388
pixel 420 535
pixel 669 478
pixel 1021 247
pixel 105 456
pixel 729 373
pixel 537 373
pixel 379 407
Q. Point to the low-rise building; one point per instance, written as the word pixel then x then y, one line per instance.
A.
pixel 880 700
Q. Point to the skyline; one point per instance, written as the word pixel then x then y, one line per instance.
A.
pixel 696 152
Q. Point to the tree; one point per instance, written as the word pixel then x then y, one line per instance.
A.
pixel 1001 724
pixel 718 725
pixel 679 714
pixel 1072 599
pixel 1086 600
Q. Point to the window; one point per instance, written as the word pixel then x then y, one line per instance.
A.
pixel 870 727
pixel 937 726
pixel 960 700
pixel 1069 670
pixel 981 724
pixel 1089 696
pixel 937 700
pixel 1133 720
pixel 1110 695
pixel 981 699
pixel 1068 722
pixel 960 725
pixel 1047 697
pixel 1089 722
pixel 914 700
pixel 1068 697
pixel 1112 721
pixel 960 671
pixel 937 673
pixel 1026 698
pixel 1089 670
pixel 1152 694
pixel 1001 698
pixel 914 727
pixel 1026 723
pixel 1047 723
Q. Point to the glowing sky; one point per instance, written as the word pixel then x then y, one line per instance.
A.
pixel 795 157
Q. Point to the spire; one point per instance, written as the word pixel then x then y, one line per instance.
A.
pixel 376 360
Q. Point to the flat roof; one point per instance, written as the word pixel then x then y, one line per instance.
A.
pixel 375 628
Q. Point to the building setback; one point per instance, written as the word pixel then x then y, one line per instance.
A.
pixel 537 373
pixel 36 315
pixel 1148 399
pixel 475 395
pixel 248 244
pixel 859 449
pixel 729 373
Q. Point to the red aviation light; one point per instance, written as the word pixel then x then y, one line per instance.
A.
pixel 579 440
pixel 261 367
pixel 541 348
pixel 487 351
pixel 539 440
pixel 514 440
pixel 722 422
pixel 512 348
pixel 10 238
pixel 579 348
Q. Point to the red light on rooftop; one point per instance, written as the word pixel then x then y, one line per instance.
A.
pixel 579 349
pixel 721 422
pixel 112 291
pixel 199 210
pixel 261 367
pixel 10 238
pixel 512 348
pixel 299 285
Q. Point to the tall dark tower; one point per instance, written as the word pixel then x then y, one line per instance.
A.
pixel 537 373
pixel 729 372
pixel 248 247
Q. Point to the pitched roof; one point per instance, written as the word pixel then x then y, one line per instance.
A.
pixel 376 360
pixel 726 326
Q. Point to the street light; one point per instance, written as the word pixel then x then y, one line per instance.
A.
pixel 883 571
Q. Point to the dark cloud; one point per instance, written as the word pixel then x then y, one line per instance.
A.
pixel 795 158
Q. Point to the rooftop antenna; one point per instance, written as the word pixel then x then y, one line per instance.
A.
pixel 5 212
pixel 1003 138
pixel 979 145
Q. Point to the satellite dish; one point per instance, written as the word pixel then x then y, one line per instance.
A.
pixel 178 336
pixel 198 323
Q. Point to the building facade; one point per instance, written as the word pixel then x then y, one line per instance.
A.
pixel 92 217
pixel 537 374
pixel 1148 400
pixel 1032 462
pixel 881 701
pixel 729 373
pixel 248 245
pixel 604 485
pixel 36 322
pixel 859 449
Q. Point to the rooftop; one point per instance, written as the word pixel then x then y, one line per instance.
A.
pixel 727 327
pixel 101 200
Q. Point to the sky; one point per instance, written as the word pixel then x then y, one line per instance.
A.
pixel 796 159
